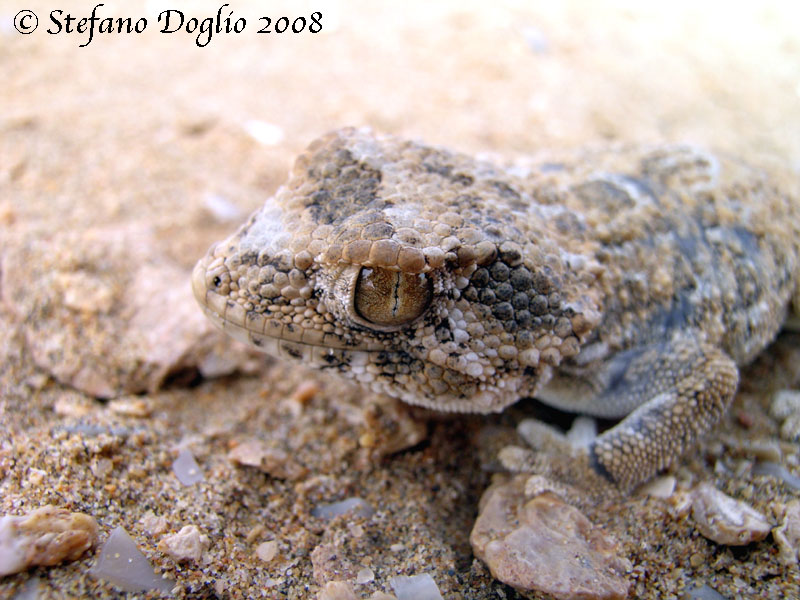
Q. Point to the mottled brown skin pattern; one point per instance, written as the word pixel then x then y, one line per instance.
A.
pixel 627 283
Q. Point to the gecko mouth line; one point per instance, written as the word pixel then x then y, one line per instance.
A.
pixel 263 332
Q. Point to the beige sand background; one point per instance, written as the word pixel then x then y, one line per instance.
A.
pixel 147 128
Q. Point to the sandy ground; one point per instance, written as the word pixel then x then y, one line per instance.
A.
pixel 150 130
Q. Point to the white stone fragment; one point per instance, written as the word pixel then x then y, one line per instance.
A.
pixel 416 587
pixel 123 565
pixel 186 545
pixel 30 591
pixel 785 407
pixel 785 403
pixel 263 132
pixel 186 468
pixel 356 505
pixel 724 520
pixel 222 208
pixel 660 487
pixel 364 575
pixel 266 551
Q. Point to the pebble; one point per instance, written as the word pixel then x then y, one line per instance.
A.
pixel 154 524
pixel 547 546
pixel 779 472
pixel 32 590
pixel 767 450
pixel 188 545
pixel 787 533
pixel 724 520
pixel 704 592
pixel 416 587
pixel 186 468
pixel 785 403
pixel 131 407
pixel 785 407
pixel 390 426
pixel 660 487
pixel 266 551
pixel 364 575
pixel 123 565
pixel 358 507
pixel 337 590
pixel 46 536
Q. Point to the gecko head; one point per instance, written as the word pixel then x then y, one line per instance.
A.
pixel 397 265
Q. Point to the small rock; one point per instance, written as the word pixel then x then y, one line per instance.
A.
pixel 37 476
pixel 785 403
pixel 102 468
pixel 266 551
pixel 390 427
pixel 46 536
pixel 154 525
pixel 355 505
pixel 681 502
pixel 785 408
pixel 766 450
pixel 186 468
pixel 274 461
pixel 547 546
pixel 305 392
pixel 724 520
pixel 131 407
pixel 32 590
pixel 790 429
pixel 123 565
pixel 779 472
pixel 263 132
pixel 660 487
pixel 71 404
pixel 364 575
pixel 337 590
pixel 704 592
pixel 416 587
pixel 186 545
pixel 787 533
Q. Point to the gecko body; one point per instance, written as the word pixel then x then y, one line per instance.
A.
pixel 629 284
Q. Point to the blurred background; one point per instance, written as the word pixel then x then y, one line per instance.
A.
pixel 151 126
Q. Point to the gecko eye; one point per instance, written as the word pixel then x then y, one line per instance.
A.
pixel 385 297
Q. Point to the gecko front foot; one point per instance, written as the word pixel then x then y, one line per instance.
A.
pixel 555 464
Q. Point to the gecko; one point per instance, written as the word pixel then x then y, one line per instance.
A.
pixel 628 283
